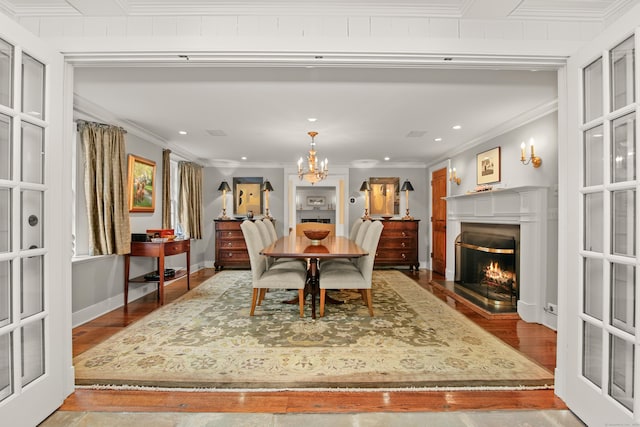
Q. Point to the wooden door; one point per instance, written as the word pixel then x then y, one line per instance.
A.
pixel 439 221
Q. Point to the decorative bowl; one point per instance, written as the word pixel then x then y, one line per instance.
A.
pixel 387 216
pixel 316 235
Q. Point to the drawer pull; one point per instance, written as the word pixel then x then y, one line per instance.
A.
pixel 403 244
pixel 404 256
pixel 230 254
pixel 229 233
pixel 404 234
pixel 229 244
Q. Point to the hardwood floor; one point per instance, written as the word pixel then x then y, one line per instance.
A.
pixel 535 341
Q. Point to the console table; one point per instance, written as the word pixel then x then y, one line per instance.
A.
pixel 159 251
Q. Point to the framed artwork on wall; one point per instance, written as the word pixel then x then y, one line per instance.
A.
pixel 488 166
pixel 247 195
pixel 141 184
pixel 385 196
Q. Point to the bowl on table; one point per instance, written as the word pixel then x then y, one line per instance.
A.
pixel 316 235
pixel 386 216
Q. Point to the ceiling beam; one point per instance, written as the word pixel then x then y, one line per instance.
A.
pixel 495 9
pixel 100 7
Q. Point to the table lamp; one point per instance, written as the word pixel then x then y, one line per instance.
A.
pixel 266 187
pixel 406 187
pixel 224 187
pixel 366 188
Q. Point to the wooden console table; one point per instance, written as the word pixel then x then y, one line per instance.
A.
pixel 159 251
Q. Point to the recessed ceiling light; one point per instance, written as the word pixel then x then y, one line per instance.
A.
pixel 456 127
pixel 438 139
pixel 312 119
pixel 244 157
pixel 387 159
pixel 182 132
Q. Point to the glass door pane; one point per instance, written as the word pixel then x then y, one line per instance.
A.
pixel 592 77
pixel 5 147
pixel 32 87
pixel 32 351
pixel 623 215
pixel 623 297
pixel 6 73
pixel 593 287
pixel 32 153
pixel 621 371
pixel 623 157
pixel 593 157
pixel 592 354
pixel 622 74
pixel 594 225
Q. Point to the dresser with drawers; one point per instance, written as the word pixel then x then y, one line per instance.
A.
pixel 398 244
pixel 231 250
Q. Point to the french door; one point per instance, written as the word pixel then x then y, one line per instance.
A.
pixel 35 345
pixel 598 333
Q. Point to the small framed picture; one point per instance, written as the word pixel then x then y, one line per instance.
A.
pixel 488 164
pixel 316 200
pixel 247 196
pixel 141 184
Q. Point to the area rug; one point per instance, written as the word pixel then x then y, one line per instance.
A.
pixel 206 339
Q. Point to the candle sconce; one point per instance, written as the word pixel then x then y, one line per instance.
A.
pixel 533 159
pixel 453 177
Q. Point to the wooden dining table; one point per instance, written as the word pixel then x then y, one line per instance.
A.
pixel 293 246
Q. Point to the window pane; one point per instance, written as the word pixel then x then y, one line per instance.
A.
pixel 593 156
pixel 623 220
pixel 5 292
pixel 622 74
pixel 32 87
pixel 593 91
pixel 623 296
pixel 593 287
pixel 6 67
pixel 31 219
pixel 32 351
pixel 593 211
pixel 623 140
pixel 32 153
pixel 5 219
pixel 32 286
pixel 592 354
pixel 621 371
pixel 6 387
pixel 5 147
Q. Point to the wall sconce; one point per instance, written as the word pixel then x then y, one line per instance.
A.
pixel 224 187
pixel 406 187
pixel 267 187
pixel 453 177
pixel 533 159
pixel 366 188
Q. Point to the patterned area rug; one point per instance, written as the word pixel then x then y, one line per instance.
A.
pixel 206 339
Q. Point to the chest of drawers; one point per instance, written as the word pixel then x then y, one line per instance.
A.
pixel 231 250
pixel 398 244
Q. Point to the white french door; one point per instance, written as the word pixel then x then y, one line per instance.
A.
pixel 598 371
pixel 35 345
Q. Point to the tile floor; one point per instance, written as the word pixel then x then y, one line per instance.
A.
pixel 525 418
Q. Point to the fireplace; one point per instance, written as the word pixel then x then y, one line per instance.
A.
pixel 487 263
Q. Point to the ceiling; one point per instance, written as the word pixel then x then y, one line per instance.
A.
pixel 363 114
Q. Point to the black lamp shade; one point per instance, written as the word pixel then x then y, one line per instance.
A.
pixel 224 186
pixel 267 186
pixel 365 186
pixel 406 186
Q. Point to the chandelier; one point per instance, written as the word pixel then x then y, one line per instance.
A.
pixel 313 173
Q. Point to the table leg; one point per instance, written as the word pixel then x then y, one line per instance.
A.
pixel 189 270
pixel 127 262
pixel 161 279
pixel 313 272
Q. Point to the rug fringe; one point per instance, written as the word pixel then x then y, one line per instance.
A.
pixel 321 389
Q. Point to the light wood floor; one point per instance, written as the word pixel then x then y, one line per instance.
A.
pixel 535 341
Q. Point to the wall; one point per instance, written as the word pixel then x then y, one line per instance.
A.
pixel 97 282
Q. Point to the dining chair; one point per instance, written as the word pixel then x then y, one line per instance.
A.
pixel 263 279
pixel 273 262
pixel 271 228
pixel 354 228
pixel 354 276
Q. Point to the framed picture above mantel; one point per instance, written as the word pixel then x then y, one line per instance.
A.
pixel 488 166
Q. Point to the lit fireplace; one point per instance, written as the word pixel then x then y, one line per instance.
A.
pixel 487 263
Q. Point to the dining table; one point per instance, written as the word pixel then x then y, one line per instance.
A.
pixel 299 246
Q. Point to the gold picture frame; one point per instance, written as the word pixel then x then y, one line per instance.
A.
pixel 247 196
pixel 488 166
pixel 141 184
pixel 385 196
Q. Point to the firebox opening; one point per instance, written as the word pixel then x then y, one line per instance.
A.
pixel 487 264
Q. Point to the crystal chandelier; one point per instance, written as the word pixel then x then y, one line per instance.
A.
pixel 313 173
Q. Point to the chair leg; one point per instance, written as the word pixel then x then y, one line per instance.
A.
pixel 254 299
pixel 369 302
pixel 301 301
pixel 323 294
pixel 263 292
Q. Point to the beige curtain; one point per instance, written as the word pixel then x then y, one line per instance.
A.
pixel 105 186
pixel 190 199
pixel 166 189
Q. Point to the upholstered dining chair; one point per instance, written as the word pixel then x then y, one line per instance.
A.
pixel 263 279
pixel 267 240
pixel 354 276
pixel 271 228
pixel 354 229
pixel 358 237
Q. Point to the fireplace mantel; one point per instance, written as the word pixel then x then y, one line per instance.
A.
pixel 528 207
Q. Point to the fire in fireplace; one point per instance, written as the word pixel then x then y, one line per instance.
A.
pixel 487 263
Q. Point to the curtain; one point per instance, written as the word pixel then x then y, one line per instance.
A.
pixel 166 189
pixel 105 186
pixel 190 199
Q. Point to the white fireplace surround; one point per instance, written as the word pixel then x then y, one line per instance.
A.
pixel 536 213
